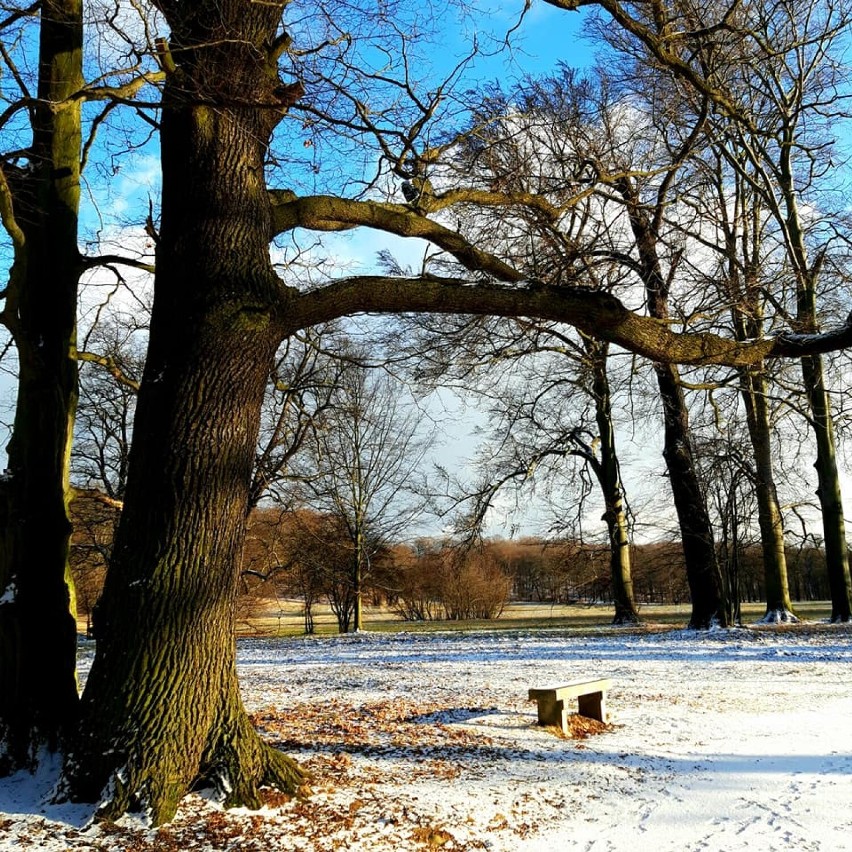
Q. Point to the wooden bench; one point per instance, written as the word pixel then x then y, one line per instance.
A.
pixel 590 695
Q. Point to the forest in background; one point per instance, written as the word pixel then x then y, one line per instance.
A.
pixel 304 557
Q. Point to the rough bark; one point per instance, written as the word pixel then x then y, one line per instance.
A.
pixel 38 687
pixel 161 711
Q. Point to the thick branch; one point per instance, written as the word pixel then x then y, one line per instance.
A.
pixel 100 497
pixel 7 214
pixel 328 213
pixel 598 314
pixel 124 93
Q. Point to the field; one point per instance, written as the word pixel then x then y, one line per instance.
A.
pixel 284 618
pixel 731 740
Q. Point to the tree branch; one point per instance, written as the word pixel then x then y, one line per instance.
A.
pixel 112 366
pixel 596 313
pixel 664 46
pixel 329 213
pixel 7 213
pixel 112 259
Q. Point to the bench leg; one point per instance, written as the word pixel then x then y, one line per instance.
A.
pixel 593 705
pixel 553 713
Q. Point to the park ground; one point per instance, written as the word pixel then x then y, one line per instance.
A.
pixel 283 617
pixel 728 740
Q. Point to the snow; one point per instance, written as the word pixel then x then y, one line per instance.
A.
pixel 9 594
pixel 727 740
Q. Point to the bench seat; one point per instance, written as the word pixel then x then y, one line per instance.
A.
pixel 553 700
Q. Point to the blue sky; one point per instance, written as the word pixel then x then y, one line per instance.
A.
pixel 117 193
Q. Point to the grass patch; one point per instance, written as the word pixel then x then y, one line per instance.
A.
pixel 518 616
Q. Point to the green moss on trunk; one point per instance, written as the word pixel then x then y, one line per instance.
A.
pixel 38 688
pixel 161 712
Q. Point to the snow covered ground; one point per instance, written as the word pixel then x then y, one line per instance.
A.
pixel 731 740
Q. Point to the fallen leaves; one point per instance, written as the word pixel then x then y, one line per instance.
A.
pixel 581 727
pixel 369 764
pixel 432 837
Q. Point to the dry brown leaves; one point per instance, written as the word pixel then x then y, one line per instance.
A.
pixel 581 727
pixel 377 725
pixel 361 758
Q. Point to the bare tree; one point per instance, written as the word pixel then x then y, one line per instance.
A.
pixel 728 473
pixel 301 389
pixel 593 145
pixel 113 360
pixel 361 470
pixel 781 149
pixel 550 406
pixel 774 76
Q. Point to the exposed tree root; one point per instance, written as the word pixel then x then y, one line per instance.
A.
pixel 779 616
pixel 240 763
pixel 236 774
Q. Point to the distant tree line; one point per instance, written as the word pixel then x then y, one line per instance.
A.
pixel 307 556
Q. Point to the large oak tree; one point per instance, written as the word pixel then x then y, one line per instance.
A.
pixel 161 711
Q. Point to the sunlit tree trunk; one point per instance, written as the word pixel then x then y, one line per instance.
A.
pixel 822 425
pixel 608 473
pixel 38 688
pixel 162 710
pixel 828 491
pixel 828 477
pixel 770 519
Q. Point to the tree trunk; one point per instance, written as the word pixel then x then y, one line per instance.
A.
pixel 357 581
pixel 730 556
pixel 609 477
pixel 828 488
pixel 161 711
pixel 828 491
pixel 38 686
pixel 699 549
pixel 778 605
